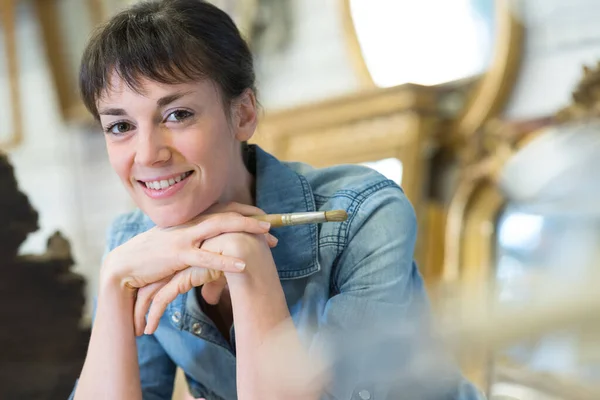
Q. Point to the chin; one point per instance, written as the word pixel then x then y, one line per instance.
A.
pixel 166 217
pixel 167 221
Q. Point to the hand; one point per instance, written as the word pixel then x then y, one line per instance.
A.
pixel 211 291
pixel 162 292
pixel 159 253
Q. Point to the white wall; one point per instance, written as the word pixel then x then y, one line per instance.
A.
pixel 315 66
pixel 561 36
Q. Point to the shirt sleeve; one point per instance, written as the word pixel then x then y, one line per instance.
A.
pixel 157 370
pixel 375 328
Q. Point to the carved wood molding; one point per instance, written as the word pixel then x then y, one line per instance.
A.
pixel 8 15
pixel 353 107
pixel 64 78
pixel 398 122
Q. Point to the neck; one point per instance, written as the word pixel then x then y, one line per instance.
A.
pixel 242 181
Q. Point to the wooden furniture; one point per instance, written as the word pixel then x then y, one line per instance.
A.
pixel 41 302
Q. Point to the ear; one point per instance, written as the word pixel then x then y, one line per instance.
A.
pixel 245 116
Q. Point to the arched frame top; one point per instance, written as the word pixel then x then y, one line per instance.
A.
pixel 492 90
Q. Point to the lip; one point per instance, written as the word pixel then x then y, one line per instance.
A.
pixel 164 193
pixel 163 177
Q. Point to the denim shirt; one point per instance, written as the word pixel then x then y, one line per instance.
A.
pixel 338 278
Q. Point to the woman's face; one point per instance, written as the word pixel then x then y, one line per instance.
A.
pixel 174 148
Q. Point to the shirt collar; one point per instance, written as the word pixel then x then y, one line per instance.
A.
pixel 280 190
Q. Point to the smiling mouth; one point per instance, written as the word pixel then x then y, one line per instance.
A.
pixel 166 183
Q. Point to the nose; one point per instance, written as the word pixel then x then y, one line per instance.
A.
pixel 153 146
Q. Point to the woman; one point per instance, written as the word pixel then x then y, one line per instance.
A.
pixel 172 84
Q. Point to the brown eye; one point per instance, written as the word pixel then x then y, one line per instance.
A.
pixel 119 128
pixel 178 116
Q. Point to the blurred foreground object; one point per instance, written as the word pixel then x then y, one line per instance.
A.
pixel 42 347
pixel 551 183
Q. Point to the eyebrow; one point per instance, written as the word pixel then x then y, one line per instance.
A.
pixel 162 102
pixel 165 101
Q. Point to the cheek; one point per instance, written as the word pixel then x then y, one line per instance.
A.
pixel 119 160
pixel 209 147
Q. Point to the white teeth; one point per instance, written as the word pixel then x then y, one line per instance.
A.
pixel 163 184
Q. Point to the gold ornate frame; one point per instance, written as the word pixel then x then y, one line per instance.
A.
pixel 353 46
pixel 8 16
pixel 470 233
pixel 491 92
pixel 65 82
pixel 469 248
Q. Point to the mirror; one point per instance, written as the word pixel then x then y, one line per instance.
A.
pixel 550 228
pixel 425 42
pixel 472 47
pixel 531 246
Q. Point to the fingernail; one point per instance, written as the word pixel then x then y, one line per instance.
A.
pixel 264 225
pixel 240 265
pixel 273 239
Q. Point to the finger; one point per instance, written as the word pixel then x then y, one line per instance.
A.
pixel 208 259
pixel 271 240
pixel 227 223
pixel 142 304
pixel 182 282
pixel 243 209
pixel 211 291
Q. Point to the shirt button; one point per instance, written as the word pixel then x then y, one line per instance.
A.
pixel 176 317
pixel 364 395
pixel 197 328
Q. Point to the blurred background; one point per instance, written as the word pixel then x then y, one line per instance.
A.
pixel 485 111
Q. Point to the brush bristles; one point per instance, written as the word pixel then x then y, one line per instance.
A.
pixel 336 216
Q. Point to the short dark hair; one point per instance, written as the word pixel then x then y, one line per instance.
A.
pixel 167 41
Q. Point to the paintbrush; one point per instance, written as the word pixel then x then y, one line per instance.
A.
pixel 315 217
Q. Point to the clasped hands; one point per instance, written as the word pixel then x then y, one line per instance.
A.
pixel 158 265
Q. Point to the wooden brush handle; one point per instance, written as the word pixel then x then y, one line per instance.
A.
pixel 274 219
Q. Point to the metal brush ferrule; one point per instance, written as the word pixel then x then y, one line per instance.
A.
pixel 303 218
